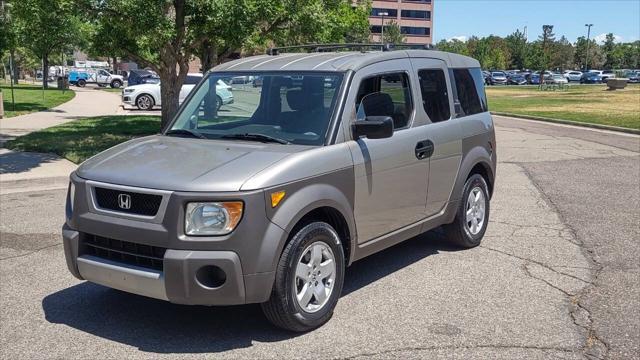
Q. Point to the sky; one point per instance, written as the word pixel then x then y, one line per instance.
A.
pixel 464 18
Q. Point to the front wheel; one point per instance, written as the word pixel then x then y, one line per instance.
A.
pixel 309 279
pixel 472 216
pixel 116 84
pixel 144 102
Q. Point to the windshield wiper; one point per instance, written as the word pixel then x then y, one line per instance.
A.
pixel 256 137
pixel 187 132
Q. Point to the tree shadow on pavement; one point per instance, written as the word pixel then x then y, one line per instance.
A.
pixel 19 162
pixel 161 327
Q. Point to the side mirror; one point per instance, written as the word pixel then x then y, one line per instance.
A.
pixel 373 127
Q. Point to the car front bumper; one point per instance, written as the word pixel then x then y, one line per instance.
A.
pixel 182 280
pixel 237 268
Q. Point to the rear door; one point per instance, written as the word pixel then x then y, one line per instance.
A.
pixel 442 130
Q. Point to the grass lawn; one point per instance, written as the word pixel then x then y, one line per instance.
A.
pixel 591 104
pixel 29 98
pixel 80 139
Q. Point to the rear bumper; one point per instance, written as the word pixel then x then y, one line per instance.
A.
pixel 187 277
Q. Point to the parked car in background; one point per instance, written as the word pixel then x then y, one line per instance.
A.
pixel 137 76
pixel 590 78
pixel 534 79
pixel 573 75
pixel 486 75
pixel 100 77
pixel 257 81
pixel 557 79
pixel 606 74
pixel 146 96
pixel 242 79
pixel 633 77
pixel 498 78
pixel 516 79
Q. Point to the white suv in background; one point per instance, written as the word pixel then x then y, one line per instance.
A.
pixel 146 96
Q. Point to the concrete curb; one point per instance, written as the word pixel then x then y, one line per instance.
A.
pixel 569 122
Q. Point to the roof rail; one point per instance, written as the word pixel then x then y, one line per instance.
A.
pixel 336 46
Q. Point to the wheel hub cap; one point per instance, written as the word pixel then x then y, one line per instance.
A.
pixel 315 277
pixel 475 210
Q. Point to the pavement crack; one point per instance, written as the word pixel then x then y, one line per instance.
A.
pixel 457 347
pixel 29 253
pixel 594 346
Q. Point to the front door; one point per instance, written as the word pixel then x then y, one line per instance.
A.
pixel 390 174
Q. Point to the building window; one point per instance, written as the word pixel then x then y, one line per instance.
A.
pixel 418 1
pixel 390 12
pixel 416 14
pixel 377 29
pixel 411 30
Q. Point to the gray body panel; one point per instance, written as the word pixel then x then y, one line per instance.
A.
pixel 381 190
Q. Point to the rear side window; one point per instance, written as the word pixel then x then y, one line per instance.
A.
pixel 435 97
pixel 470 88
pixel 386 95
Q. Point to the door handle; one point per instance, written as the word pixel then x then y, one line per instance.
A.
pixel 424 149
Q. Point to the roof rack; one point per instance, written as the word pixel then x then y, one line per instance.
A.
pixel 337 46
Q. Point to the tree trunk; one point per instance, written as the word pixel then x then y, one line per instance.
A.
pixel 13 69
pixel 115 64
pixel 208 56
pixel 171 80
pixel 45 71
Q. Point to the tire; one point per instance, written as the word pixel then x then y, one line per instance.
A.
pixel 218 102
pixel 463 233
pixel 283 308
pixel 144 102
pixel 116 84
pixel 82 82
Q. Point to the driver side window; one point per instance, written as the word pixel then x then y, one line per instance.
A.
pixel 386 95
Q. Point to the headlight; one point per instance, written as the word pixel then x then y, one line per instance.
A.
pixel 212 218
pixel 128 91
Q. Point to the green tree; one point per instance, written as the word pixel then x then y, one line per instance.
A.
pixel 608 48
pixel 454 46
pixel 167 34
pixel 517 45
pixel 392 33
pixel 46 27
pixel 562 54
pixel 596 56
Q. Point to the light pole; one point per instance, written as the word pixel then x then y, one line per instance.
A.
pixel 586 56
pixel 382 14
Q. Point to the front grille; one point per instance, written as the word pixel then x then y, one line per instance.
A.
pixel 124 252
pixel 140 204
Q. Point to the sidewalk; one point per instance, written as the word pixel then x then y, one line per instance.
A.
pixel 23 171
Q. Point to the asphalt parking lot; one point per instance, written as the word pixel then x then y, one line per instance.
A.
pixel 557 276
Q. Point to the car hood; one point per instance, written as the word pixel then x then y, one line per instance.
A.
pixel 183 164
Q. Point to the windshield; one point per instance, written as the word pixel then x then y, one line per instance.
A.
pixel 288 107
pixel 498 74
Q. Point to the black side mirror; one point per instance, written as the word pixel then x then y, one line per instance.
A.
pixel 373 127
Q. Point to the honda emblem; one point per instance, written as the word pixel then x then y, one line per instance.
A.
pixel 124 201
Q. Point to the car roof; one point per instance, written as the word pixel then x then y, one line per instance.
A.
pixel 338 61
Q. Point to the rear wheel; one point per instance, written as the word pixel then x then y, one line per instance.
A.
pixel 472 216
pixel 308 280
pixel 144 102
pixel 82 82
